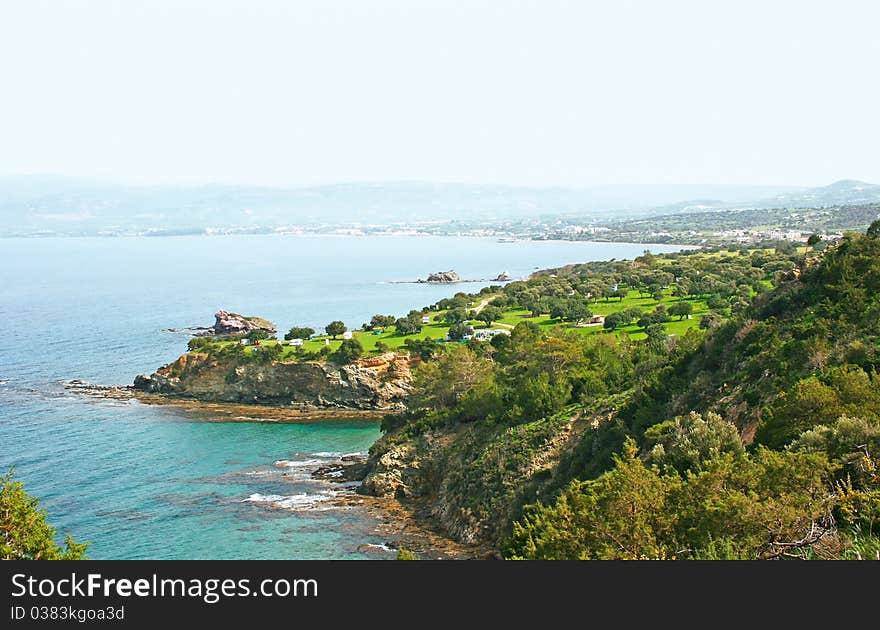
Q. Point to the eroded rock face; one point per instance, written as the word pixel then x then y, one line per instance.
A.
pixel 471 479
pixel 226 323
pixel 374 383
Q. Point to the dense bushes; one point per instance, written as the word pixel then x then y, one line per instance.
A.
pixel 750 506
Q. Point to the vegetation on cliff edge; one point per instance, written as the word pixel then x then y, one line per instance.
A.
pixel 25 533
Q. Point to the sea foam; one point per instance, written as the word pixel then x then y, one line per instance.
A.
pixel 301 501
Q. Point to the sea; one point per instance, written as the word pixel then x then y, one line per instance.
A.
pixel 162 482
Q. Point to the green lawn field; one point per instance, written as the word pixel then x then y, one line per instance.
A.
pixel 437 330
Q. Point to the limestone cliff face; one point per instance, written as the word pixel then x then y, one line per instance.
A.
pixel 374 383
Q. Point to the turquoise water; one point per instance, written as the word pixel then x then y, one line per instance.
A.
pixel 141 481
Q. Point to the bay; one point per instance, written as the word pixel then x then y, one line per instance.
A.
pixel 141 481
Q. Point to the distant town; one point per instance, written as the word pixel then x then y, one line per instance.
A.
pixel 712 227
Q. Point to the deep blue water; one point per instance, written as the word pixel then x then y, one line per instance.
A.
pixel 141 481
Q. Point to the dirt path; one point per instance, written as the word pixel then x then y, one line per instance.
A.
pixel 484 304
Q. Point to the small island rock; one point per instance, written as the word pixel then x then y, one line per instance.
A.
pixel 443 277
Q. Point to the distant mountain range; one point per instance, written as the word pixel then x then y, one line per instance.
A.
pixel 47 204
pixel 841 193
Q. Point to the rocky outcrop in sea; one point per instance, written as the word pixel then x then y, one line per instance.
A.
pixel 443 277
pixel 226 323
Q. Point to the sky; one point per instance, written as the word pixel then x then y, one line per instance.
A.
pixel 544 93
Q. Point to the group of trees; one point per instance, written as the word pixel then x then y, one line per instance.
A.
pixel 726 282
pixel 409 325
pixel 299 332
pixel 380 322
pixel 622 318
pixel 522 377
pixel 571 309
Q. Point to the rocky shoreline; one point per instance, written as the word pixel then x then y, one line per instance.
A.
pixel 222 412
pixel 402 525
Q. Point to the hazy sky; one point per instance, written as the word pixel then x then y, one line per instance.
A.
pixel 546 92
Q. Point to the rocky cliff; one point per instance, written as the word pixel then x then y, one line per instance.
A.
pixel 226 323
pixel 372 383
pixel 471 480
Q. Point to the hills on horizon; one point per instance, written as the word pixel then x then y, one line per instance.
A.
pixel 48 204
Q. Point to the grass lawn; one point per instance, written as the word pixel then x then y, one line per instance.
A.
pixel 602 307
pixel 437 330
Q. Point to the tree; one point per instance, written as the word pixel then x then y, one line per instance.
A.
pixel 459 331
pixel 656 335
pixel 455 316
pixel 443 382
pixel 335 328
pixel 570 309
pixel 710 320
pixel 349 351
pixel 534 305
pixel 620 515
pixel 381 321
pixel 648 319
pixel 843 391
pixel 578 310
pixel 685 442
pixel 257 334
pixel 25 534
pixel 682 289
pixel 716 303
pixel 199 343
pixel 422 348
pixel 408 325
pixel 614 320
pixel 299 332
pixel 660 314
pixel 814 240
pixel 489 314
pixel 874 229
pixel 682 309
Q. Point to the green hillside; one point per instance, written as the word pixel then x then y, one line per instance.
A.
pixel 753 432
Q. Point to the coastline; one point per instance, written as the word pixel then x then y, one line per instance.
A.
pixel 223 412
pixel 342 235
pixel 402 526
